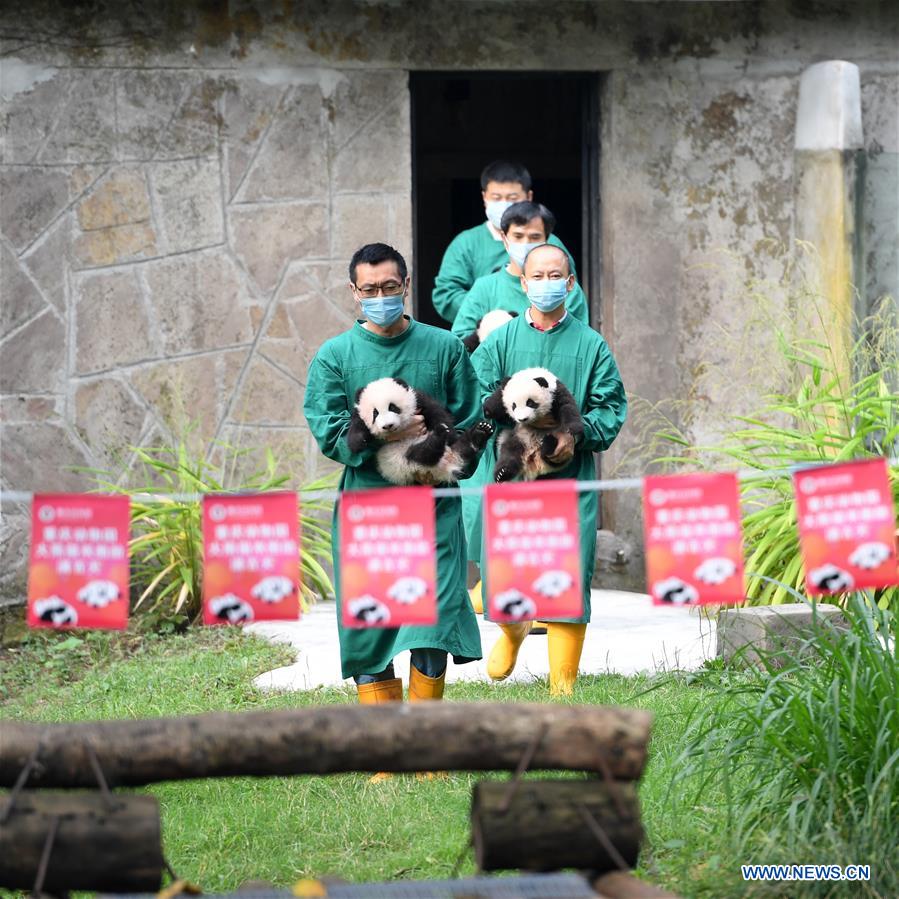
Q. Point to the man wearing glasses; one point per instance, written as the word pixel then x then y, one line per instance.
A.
pixel 385 342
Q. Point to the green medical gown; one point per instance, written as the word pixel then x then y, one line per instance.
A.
pixel 580 358
pixel 434 361
pixel 471 255
pixel 497 291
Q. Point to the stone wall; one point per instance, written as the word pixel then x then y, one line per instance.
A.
pixel 180 193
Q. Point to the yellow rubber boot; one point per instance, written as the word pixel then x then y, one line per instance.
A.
pixel 477 598
pixel 422 687
pixel 375 694
pixel 426 689
pixel 566 641
pixel 505 651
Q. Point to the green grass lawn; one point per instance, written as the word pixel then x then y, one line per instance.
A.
pixel 219 833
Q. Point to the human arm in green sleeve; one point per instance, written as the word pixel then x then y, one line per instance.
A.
pixel 577 304
pixel 328 412
pixel 606 403
pixel 470 312
pixel 463 397
pixel 487 366
pixel 453 281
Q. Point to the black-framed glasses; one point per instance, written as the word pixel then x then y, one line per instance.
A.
pixel 387 289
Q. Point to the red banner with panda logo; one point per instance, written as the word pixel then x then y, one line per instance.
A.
pixel 251 558
pixel 693 539
pixel 847 526
pixel 533 551
pixel 388 561
pixel 78 564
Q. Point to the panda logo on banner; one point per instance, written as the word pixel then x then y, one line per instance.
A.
pixel 78 571
pixel 693 539
pixel 388 563
pixel 847 526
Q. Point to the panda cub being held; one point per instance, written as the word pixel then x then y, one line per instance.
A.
pixel 441 455
pixel 491 320
pixel 536 403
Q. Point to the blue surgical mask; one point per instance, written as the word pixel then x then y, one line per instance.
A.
pixel 547 294
pixel 518 252
pixel 495 210
pixel 383 311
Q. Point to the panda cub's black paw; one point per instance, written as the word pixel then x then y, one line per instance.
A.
pixel 502 473
pixel 481 433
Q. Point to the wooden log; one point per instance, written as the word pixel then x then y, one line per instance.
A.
pixel 623 885
pixel 112 845
pixel 547 825
pixel 427 736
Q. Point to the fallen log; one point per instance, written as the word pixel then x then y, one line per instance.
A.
pixel 105 844
pixel 546 825
pixel 428 736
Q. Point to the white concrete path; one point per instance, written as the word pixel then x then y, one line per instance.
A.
pixel 627 635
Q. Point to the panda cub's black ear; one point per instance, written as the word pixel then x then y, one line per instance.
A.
pixel 358 394
pixel 542 382
pixel 401 382
pixel 514 314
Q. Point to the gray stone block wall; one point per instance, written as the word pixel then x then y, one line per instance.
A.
pixel 180 191
pixel 174 247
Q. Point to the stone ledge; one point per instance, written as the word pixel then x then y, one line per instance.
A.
pixel 784 628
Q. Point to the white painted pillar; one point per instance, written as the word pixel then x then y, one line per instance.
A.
pixel 829 178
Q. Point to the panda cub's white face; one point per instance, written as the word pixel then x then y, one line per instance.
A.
pixel 492 320
pixel 386 406
pixel 529 394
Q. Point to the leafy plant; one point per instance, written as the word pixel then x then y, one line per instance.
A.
pixel 166 523
pixel 828 410
pixel 804 746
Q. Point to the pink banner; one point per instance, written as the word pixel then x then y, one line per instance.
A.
pixel 388 564
pixel 693 539
pixel 78 571
pixel 533 550
pixel 251 558
pixel 847 526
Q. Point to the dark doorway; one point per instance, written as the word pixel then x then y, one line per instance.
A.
pixel 462 121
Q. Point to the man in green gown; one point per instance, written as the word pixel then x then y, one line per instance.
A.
pixel 387 343
pixel 480 250
pixel 524 225
pixel 549 336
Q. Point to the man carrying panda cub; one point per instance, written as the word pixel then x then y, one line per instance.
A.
pixel 386 344
pixel 573 356
pixel 524 225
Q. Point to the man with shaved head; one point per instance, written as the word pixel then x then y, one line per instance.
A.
pixel 549 336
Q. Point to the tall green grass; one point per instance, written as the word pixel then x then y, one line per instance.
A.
pixel 804 748
pixel 166 523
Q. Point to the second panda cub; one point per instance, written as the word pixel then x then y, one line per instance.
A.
pixel 491 320
pixel 530 396
pixel 441 455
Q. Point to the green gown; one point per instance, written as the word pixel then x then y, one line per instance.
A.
pixel 434 361
pixel 580 358
pixel 471 255
pixel 497 291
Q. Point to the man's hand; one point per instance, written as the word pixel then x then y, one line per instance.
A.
pixel 544 423
pixel 416 428
pixel 565 449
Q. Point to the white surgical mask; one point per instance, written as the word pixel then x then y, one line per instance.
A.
pixel 495 210
pixel 518 252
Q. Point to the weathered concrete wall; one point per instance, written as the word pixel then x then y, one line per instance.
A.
pixel 181 191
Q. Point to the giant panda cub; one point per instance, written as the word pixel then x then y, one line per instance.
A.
pixel 492 320
pixel 441 455
pixel 526 397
